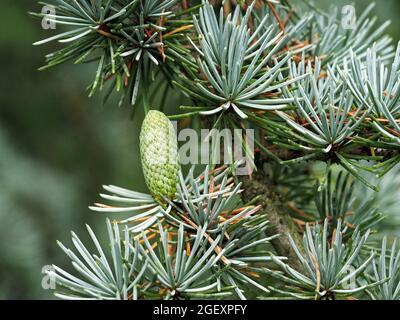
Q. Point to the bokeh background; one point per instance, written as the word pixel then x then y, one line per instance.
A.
pixel 57 147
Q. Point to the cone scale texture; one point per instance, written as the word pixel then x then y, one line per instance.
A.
pixel 159 155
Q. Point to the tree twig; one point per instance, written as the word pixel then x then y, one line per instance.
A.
pixel 277 213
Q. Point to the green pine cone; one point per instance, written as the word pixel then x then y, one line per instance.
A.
pixel 159 154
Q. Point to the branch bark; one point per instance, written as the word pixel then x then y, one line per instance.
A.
pixel 277 213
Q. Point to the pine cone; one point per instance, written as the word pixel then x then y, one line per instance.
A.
pixel 159 154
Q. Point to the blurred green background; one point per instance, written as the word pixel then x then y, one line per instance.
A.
pixel 57 147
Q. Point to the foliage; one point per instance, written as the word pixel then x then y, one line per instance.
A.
pixel 122 36
pixel 387 272
pixel 310 89
pixel 328 264
pixel 232 59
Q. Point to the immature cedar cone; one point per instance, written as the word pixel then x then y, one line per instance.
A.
pixel 159 154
